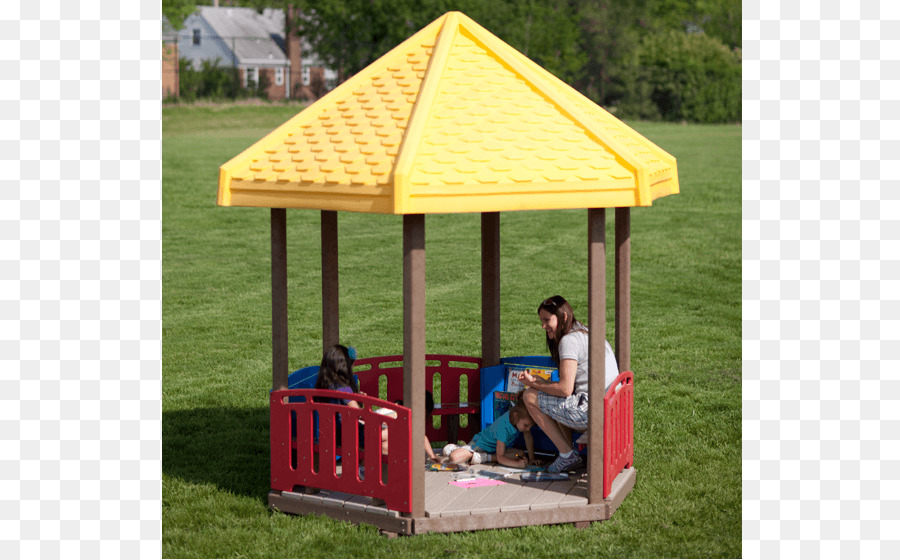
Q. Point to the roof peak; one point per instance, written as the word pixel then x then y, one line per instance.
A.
pixel 451 120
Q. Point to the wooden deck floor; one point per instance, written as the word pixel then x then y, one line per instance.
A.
pixel 443 499
pixel 450 508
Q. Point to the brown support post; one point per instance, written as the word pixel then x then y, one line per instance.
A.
pixel 490 289
pixel 623 288
pixel 597 349
pixel 278 218
pixel 331 330
pixel 414 347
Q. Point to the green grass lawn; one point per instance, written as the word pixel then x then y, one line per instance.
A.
pixel 216 347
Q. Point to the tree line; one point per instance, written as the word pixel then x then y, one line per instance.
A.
pixel 671 60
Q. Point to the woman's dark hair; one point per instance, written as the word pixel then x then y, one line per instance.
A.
pixel 565 322
pixel 336 369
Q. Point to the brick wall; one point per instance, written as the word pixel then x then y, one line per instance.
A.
pixel 274 91
pixel 169 70
pixel 316 87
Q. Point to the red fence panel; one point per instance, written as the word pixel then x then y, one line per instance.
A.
pixel 456 398
pixel 618 428
pixel 304 461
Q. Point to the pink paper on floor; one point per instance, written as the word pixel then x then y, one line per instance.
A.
pixel 476 482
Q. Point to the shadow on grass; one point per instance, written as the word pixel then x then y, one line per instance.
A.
pixel 227 447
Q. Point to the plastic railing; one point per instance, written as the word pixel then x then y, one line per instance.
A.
pixel 618 428
pixel 456 397
pixel 311 459
pixel 313 462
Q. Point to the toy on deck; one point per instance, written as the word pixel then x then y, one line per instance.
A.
pixel 527 469
pixel 445 467
pixel 544 476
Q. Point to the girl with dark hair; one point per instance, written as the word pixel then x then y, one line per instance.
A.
pixel 336 373
pixel 558 407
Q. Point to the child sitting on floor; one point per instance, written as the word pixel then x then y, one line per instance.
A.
pixel 490 444
pixel 429 407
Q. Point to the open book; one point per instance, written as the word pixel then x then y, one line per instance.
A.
pixel 513 385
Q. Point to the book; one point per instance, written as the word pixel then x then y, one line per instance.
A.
pixel 513 385
pixel 503 401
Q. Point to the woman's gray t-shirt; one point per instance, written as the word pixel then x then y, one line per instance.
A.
pixel 574 346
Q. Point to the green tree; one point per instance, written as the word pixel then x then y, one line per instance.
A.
pixel 351 34
pixel 177 10
pixel 725 22
pixel 685 77
pixel 212 81
pixel 546 31
pixel 717 18
pixel 610 32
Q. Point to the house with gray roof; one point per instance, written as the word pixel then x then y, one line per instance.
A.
pixel 312 67
pixel 245 39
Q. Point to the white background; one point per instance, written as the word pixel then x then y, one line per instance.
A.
pixel 80 285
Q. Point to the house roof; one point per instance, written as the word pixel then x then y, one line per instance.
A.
pixel 249 34
pixel 451 120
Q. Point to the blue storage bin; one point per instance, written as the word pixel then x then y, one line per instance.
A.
pixel 494 379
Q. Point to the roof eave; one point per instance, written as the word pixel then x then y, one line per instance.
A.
pixel 264 61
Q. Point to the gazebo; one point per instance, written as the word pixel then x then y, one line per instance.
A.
pixel 451 120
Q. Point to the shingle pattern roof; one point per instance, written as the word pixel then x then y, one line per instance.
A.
pixel 452 120
pixel 246 32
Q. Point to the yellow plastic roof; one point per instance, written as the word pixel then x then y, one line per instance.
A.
pixel 451 120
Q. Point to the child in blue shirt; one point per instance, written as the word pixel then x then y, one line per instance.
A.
pixel 491 443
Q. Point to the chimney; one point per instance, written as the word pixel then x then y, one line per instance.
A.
pixel 293 51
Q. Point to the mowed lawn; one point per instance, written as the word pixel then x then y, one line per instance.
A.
pixel 216 346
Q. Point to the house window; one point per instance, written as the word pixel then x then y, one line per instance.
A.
pixel 252 77
pixel 196 36
pixel 279 76
pixel 305 75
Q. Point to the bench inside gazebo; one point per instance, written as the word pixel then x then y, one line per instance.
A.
pixel 452 120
